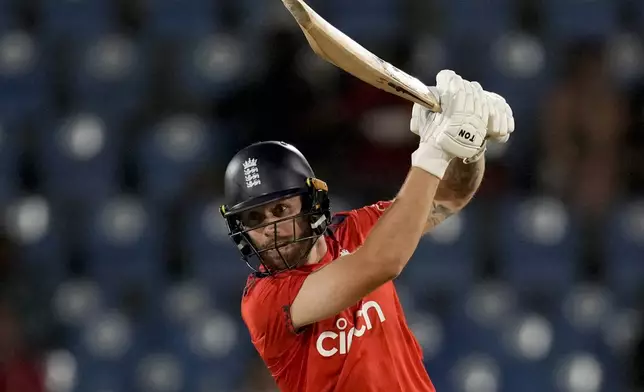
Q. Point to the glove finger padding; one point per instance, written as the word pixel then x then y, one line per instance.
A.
pixel 465 137
pixel 415 122
pixel 463 141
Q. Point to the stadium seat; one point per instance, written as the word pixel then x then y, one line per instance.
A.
pixel 35 227
pixel 79 158
pixel 183 20
pixel 214 258
pixel 24 79
pixel 108 75
pixel 568 20
pixel 212 66
pixel 214 350
pixel 527 341
pixel 66 20
pixel 172 154
pixel 107 351
pixel 445 259
pixel 517 67
pixel 623 246
pixel 538 244
pixel 125 250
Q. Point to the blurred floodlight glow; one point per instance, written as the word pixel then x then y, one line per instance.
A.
pixel 633 222
pixel 213 336
pixel 383 125
pixel 449 231
pixel 28 219
pixel 316 71
pixel 76 301
pixel 60 371
pixel 530 337
pixel 580 373
pixel 489 304
pixel 111 58
pixel 181 137
pixel 82 136
pixel 186 301
pixel 428 330
pixel 108 336
pixel 219 58
pixel 622 329
pixel 123 220
pixel 160 373
pixel 586 307
pixel 17 53
pixel 477 373
pixel 626 56
pixel 519 55
pixel 543 220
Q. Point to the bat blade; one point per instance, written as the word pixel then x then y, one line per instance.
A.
pixel 337 48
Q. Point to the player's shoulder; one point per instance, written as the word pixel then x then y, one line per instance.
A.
pixel 356 223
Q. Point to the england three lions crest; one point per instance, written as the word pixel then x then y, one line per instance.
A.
pixel 251 173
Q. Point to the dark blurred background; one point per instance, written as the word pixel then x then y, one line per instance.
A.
pixel 117 118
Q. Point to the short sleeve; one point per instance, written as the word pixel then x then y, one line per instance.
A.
pixel 266 310
pixel 367 217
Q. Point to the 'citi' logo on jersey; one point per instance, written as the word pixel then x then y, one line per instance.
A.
pixel 341 342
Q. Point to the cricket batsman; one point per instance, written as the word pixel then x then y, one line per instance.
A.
pixel 321 306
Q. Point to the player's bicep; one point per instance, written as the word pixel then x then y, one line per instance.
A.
pixel 335 287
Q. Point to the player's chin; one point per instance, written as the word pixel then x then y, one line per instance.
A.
pixel 288 256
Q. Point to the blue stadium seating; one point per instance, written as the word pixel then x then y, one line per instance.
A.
pixel 24 80
pixel 501 72
pixel 172 154
pixel 208 364
pixel 386 14
pixel 37 227
pixel 108 359
pixel 212 66
pixel 485 20
pixel 124 244
pixel 447 258
pixel 6 17
pixel 173 19
pixel 79 158
pixel 571 19
pixel 109 75
pixel 215 259
pixel 624 250
pixel 64 20
pixel 547 258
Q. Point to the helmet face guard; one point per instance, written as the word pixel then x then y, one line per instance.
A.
pixel 315 212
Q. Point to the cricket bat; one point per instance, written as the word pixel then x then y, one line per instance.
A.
pixel 337 48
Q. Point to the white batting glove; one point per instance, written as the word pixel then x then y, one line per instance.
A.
pixel 501 121
pixel 458 131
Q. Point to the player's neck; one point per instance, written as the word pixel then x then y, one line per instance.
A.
pixel 317 252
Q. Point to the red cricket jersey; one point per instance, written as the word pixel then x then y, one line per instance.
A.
pixel 367 347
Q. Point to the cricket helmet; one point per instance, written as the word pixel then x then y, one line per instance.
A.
pixel 263 173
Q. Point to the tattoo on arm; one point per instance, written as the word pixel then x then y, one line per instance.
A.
pixel 460 181
pixel 438 214
pixel 455 190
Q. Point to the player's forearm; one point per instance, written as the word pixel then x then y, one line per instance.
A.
pixel 396 235
pixel 460 183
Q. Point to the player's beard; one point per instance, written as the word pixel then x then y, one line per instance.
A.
pixel 288 255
